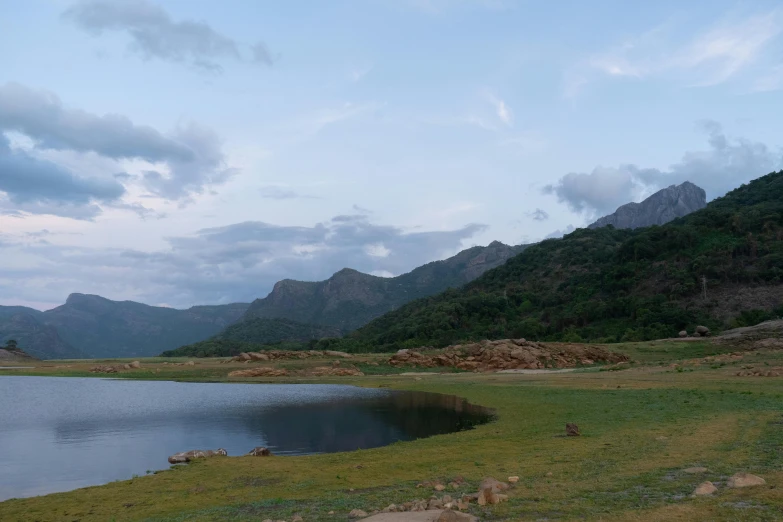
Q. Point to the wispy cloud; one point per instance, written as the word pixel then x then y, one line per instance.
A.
pixel 502 110
pixel 724 51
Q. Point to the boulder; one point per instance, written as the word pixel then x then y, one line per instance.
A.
pixel 487 496
pixel 244 356
pixel 572 430
pixel 703 331
pixel 683 333
pixel 513 480
pixel 704 489
pixel 495 485
pixel 357 513
pixel 260 451
pixel 187 456
pixel 135 365
pixel 745 480
pixel 256 356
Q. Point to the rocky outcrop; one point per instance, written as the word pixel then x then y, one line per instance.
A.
pixel 660 208
pixel 745 480
pixel 508 354
pixel 260 451
pixel 273 355
pixel 187 456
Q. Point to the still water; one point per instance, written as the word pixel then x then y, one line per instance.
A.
pixel 58 434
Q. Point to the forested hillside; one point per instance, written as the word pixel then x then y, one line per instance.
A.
pixel 615 285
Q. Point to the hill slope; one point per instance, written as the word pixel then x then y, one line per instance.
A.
pixel 611 285
pixel 34 336
pixel 99 327
pixel 250 335
pixel 660 208
pixel 349 299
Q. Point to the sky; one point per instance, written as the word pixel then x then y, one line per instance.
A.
pixel 192 152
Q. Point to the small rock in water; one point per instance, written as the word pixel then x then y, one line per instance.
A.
pixel 704 489
pixel 745 480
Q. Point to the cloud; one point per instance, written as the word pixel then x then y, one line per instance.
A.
pixel 557 234
pixel 238 262
pixel 503 111
pixel 711 57
pixel 155 35
pixel 538 215
pixel 42 187
pixel 727 163
pixel 187 160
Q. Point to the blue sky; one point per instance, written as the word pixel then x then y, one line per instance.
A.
pixel 190 152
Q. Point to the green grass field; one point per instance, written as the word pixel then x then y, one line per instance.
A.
pixel 641 425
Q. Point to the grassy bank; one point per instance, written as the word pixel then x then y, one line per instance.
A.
pixel 679 405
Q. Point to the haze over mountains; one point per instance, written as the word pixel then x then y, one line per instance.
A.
pixel 92 326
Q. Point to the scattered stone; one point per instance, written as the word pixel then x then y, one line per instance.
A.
pixel 321 371
pixel 702 331
pixel 745 480
pixel 103 369
pixel 513 480
pixel 495 485
pixel 704 489
pixel 260 451
pixel 187 456
pixel 439 487
pixel 695 470
pixel 572 430
pixel 357 513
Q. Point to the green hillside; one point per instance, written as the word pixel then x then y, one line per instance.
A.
pixel 255 334
pixel 615 285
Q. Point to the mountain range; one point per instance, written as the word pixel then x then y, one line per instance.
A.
pixel 92 326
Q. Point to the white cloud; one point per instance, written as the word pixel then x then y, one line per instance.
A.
pixel 503 111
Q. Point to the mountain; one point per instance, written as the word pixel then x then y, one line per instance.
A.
pixel 14 356
pixel 33 336
pixel 100 327
pixel 250 335
pixel 608 285
pixel 350 299
pixel 660 208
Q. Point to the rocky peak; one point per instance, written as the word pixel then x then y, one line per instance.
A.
pixel 660 208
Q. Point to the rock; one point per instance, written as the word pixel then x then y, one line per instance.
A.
pixel 439 487
pixel 683 333
pixel 745 480
pixel 704 489
pixel 126 366
pixel 187 456
pixel 572 430
pixel 513 480
pixel 487 496
pixel 244 356
pixel 256 356
pixel 494 484
pixel 297 518
pixel 357 513
pixel 261 371
pixel 333 353
pixel 321 371
pixel 103 369
pixel 695 470
pixel 703 331
pixel 190 363
pixel 660 208
pixel 135 364
pixel 260 451
pixel 452 516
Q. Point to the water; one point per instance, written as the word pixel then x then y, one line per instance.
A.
pixel 58 434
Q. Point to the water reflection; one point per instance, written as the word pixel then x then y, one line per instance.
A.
pixel 58 434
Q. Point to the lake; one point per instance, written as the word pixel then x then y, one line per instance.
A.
pixel 58 434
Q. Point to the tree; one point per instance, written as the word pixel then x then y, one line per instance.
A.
pixel 10 344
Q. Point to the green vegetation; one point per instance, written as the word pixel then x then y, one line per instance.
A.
pixel 256 334
pixel 11 344
pixel 607 285
pixel 640 428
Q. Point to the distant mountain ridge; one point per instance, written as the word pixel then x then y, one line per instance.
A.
pixel 660 208
pixel 349 299
pixel 93 326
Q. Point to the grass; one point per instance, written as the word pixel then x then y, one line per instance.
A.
pixel 641 426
